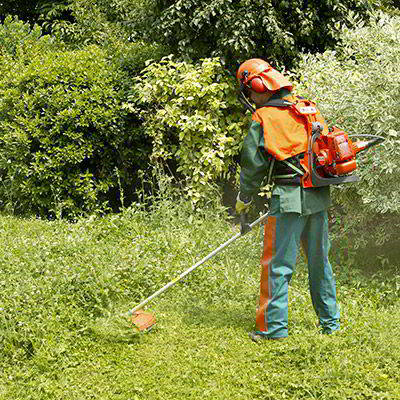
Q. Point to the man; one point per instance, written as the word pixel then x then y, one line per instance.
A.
pixel 274 152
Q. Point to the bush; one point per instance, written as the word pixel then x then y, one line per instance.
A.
pixel 61 125
pixel 193 117
pixel 356 88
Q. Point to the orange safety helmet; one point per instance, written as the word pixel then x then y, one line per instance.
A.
pixel 258 75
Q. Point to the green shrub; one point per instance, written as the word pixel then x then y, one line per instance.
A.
pixel 191 113
pixel 61 126
pixel 132 57
pixel 356 87
pixel 18 38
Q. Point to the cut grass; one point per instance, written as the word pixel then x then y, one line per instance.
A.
pixel 63 287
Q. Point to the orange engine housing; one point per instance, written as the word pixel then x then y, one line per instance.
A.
pixel 335 153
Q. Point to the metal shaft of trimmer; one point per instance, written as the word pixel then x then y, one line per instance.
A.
pixel 202 261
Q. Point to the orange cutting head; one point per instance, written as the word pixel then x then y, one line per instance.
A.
pixel 143 320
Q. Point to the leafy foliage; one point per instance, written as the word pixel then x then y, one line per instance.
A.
pixel 19 40
pixel 356 87
pixel 389 6
pixel 61 124
pixel 107 25
pixel 275 30
pixel 191 113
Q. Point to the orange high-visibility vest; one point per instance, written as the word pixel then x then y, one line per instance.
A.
pixel 285 129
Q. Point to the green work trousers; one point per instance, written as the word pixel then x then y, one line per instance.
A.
pixel 283 234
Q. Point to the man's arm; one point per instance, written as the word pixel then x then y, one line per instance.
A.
pixel 255 163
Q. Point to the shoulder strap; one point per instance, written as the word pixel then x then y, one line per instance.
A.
pixel 277 103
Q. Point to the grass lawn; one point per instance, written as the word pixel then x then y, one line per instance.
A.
pixel 62 285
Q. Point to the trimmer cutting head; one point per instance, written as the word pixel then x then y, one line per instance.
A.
pixel 142 320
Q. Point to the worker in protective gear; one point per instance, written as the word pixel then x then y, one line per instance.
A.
pixel 272 153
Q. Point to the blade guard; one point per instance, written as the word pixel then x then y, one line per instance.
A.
pixel 143 320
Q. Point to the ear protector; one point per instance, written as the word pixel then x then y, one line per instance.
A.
pixel 255 83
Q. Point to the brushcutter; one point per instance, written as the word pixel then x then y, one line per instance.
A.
pixel 144 320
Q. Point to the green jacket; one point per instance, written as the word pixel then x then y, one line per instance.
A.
pixel 255 163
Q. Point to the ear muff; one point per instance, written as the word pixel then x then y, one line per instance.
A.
pixel 257 85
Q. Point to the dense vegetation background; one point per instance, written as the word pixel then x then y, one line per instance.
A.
pixel 127 110
pixel 100 99
pixel 95 94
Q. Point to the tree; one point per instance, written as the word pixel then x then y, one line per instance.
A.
pixel 277 30
pixel 28 10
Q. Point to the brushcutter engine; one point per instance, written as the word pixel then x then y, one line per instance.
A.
pixel 332 156
pixel 335 153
